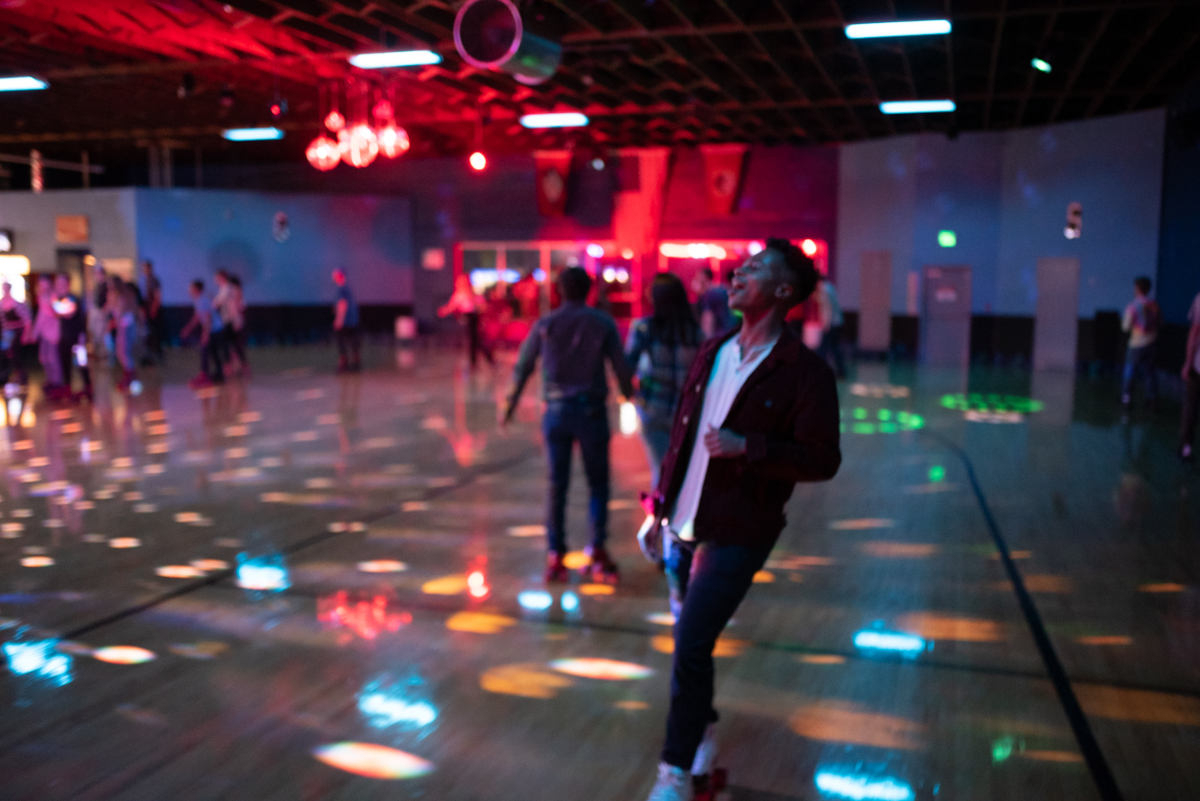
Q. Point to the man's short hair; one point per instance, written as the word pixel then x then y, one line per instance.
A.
pixel 800 270
pixel 574 283
pixel 198 285
pixel 1143 284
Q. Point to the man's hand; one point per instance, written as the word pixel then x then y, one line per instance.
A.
pixel 723 443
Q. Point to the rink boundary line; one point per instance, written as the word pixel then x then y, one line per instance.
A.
pixel 1089 747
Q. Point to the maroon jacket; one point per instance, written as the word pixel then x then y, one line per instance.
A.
pixel 788 412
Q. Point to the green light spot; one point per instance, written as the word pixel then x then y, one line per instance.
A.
pixel 885 414
pixel 1040 65
pixel 860 413
pixel 937 474
pixel 1002 749
pixel 947 239
pixel 888 428
pixel 863 428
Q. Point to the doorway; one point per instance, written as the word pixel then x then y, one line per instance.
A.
pixel 946 316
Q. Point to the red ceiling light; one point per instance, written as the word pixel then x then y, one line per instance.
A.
pixel 809 247
pixel 478 161
pixel 362 146
pixel 334 121
pixel 323 153
pixel 393 141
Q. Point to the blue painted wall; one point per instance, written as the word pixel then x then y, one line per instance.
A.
pixel 1005 195
pixel 191 233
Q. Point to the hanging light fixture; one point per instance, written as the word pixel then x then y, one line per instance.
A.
pixel 323 153
pixel 334 121
pixel 393 141
pixel 362 146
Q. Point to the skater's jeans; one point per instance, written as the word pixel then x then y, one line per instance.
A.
pixel 566 422
pixel 712 580
pixel 1139 361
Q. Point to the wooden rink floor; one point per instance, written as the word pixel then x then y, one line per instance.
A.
pixel 309 586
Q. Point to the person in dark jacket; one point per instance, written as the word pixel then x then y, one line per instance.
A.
pixel 759 413
pixel 574 342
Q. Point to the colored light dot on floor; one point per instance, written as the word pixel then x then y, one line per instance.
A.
pixel 937 473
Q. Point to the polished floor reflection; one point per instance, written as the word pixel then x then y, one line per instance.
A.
pixel 309 586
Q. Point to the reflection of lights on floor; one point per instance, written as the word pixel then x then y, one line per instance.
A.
pixel 455 584
pixel 263 574
pixel 208 565
pixel 526 680
pixel 1102 639
pixel 535 600
pixel 879 391
pixel 628 419
pixel 343 526
pixel 632 706
pixel 477 586
pixel 123 655
pixel 836 721
pixel 822 659
pixel 39 658
pixel 384 710
pixel 934 626
pixel 725 648
pixel 527 531
pixel 574 560
pixel 569 602
pixel 887 549
pixel 862 524
pixel 891 641
pixel 199 650
pixel 597 589
pixel 886 421
pixel 479 622
pixel 414 506
pixel 373 761
pixel 603 669
pixel 179 571
pixel 862 788
pixel 382 566
pixel 764 577
pixel 37 561
pixel 661 618
pixel 1163 587
pixel 991 402
pixel 367 616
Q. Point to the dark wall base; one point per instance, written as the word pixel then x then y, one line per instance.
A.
pixel 1008 340
pixel 290 325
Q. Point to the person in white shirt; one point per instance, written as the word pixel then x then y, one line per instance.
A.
pixel 1191 381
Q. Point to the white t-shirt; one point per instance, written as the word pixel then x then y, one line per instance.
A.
pixel 1194 318
pixel 729 374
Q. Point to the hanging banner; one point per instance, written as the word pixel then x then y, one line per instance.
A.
pixel 553 167
pixel 722 176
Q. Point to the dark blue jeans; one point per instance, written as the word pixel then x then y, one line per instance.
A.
pixel 713 580
pixel 1139 361
pixel 564 424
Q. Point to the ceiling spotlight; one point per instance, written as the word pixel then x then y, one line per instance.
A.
pixel 478 161
pixel 879 30
pixel 1041 65
pixel 279 108
pixel 597 164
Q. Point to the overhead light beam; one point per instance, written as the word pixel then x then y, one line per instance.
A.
pixel 251 134
pixel 559 119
